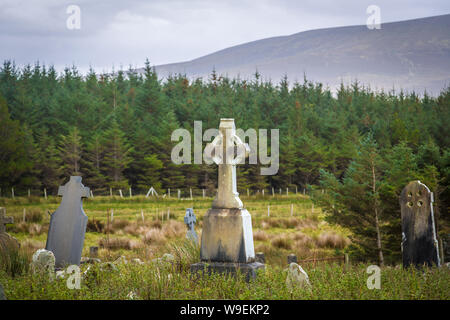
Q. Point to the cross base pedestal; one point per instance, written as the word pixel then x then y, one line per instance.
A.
pixel 227 236
pixel 247 269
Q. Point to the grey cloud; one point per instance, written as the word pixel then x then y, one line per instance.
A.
pixel 126 32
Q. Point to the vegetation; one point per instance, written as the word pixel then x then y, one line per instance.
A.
pixel 115 131
pixel 174 281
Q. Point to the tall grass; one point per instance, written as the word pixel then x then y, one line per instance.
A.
pixel 14 261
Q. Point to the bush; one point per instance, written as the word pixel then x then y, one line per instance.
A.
pixel 94 225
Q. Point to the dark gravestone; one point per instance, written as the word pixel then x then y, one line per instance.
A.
pixel 93 252
pixel 68 224
pixel 260 257
pixel 292 258
pixel 2 293
pixel 419 242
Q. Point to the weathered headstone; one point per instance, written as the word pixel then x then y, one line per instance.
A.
pixel 297 277
pixel 227 237
pixel 68 224
pixel 43 262
pixel 419 241
pixel 5 239
pixel 189 220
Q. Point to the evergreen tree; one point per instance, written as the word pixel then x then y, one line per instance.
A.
pixel 116 156
pixel 70 149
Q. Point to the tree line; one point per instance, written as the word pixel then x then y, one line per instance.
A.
pixel 115 131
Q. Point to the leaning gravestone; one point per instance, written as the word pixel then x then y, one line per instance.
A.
pixel 297 277
pixel 227 237
pixel 189 220
pixel 68 224
pixel 5 239
pixel 419 242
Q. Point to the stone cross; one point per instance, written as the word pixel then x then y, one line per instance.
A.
pixel 419 241
pixel 189 220
pixel 4 220
pixel 68 224
pixel 223 150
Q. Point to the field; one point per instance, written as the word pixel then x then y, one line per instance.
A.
pixel 148 228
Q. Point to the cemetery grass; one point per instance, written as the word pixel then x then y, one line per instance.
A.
pixel 305 234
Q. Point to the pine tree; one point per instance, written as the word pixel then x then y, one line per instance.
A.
pixel 355 202
pixel 70 149
pixel 116 156
pixel 13 151
pixel 92 162
pixel 48 162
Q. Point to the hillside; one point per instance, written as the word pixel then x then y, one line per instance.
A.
pixel 413 54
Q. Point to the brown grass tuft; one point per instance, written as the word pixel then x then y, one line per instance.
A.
pixel 154 236
pixel 172 229
pixel 282 241
pixel 260 235
pixel 115 243
pixel 331 240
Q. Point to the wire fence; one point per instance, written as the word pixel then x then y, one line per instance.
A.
pixel 180 193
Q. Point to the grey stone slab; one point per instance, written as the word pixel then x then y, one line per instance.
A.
pixel 68 224
pixel 419 241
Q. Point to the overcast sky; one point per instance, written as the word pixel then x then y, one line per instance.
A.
pixel 119 33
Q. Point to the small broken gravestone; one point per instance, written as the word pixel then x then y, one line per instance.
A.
pixel 5 239
pixel 419 243
pixel 43 261
pixel 68 224
pixel 189 220
pixel 297 277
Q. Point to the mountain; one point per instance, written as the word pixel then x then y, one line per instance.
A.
pixel 412 55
